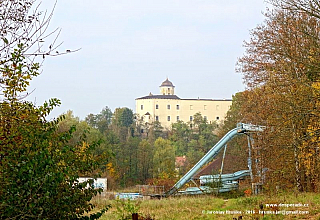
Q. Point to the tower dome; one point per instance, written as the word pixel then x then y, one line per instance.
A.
pixel 167 87
pixel 167 83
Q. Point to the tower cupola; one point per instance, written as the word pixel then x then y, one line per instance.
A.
pixel 167 88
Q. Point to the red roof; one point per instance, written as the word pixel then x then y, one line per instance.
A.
pixel 180 161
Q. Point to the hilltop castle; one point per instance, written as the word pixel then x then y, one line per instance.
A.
pixel 168 108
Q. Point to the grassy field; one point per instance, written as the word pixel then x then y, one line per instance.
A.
pixel 300 206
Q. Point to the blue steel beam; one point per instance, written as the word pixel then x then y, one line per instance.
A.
pixel 224 177
pixel 206 158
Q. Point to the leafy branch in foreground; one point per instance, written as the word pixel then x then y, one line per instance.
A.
pixel 39 169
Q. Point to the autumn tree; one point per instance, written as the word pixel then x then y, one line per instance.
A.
pixel 311 7
pixel 242 110
pixel 281 71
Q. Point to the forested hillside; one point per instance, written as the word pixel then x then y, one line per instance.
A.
pixel 142 158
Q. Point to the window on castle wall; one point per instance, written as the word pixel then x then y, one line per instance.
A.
pixel 217 117
pixel 205 118
pixel 141 107
pixel 157 118
pixel 169 118
pixel 205 107
pixel 178 107
pixel 178 118
pixel 191 118
pixel 191 107
pixel 157 106
pixel 168 106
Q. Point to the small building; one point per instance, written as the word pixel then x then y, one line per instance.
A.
pixel 168 108
pixel 97 183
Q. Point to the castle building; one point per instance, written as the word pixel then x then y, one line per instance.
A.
pixel 168 108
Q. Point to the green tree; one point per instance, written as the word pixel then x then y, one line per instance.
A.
pixel 101 121
pixel 126 161
pixel 123 117
pixel 70 120
pixel 199 137
pixel 163 159
pixel 155 131
pixel 145 156
pixel 180 135
pixel 39 169
pixel 203 132
pixel 122 123
pixel 193 156
pixel 90 135
pixel 132 152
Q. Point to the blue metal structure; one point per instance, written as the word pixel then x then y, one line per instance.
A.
pixel 240 129
pixel 131 196
pixel 224 177
pixel 228 182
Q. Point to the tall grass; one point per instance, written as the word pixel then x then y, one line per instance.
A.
pixel 206 206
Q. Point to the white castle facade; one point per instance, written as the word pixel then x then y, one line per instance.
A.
pixel 168 108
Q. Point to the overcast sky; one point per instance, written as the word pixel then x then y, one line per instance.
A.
pixel 129 47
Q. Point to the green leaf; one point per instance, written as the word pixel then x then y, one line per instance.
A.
pixel 5 40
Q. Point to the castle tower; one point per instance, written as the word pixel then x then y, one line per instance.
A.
pixel 167 88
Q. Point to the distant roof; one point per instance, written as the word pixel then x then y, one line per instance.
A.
pixel 167 83
pixel 176 97
pixel 160 97
pixel 180 161
pixel 209 99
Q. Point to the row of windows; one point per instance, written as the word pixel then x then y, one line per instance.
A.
pixel 191 118
pixel 168 118
pixel 178 107
pixel 168 107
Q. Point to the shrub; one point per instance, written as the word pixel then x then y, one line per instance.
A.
pixel 38 168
